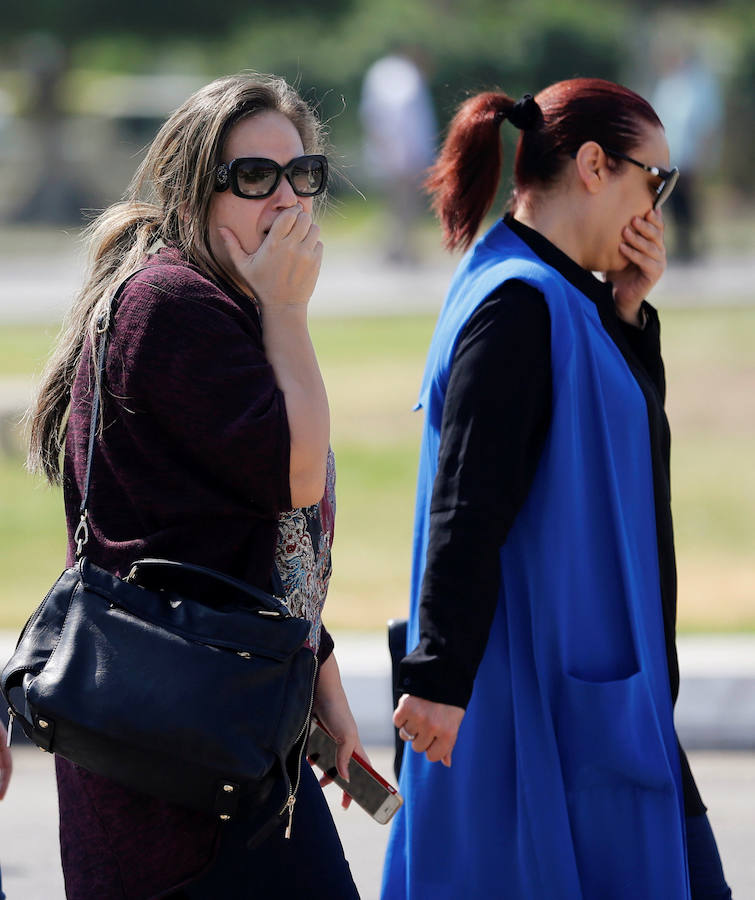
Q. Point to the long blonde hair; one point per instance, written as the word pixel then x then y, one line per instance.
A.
pixel 168 199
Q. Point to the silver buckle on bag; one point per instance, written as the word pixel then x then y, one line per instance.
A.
pixel 81 535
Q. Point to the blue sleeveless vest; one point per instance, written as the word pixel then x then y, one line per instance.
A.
pixel 565 782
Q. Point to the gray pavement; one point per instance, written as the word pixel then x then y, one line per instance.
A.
pixel 31 867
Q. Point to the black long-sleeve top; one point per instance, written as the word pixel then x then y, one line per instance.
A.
pixel 496 417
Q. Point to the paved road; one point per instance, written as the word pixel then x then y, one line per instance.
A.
pixel 31 868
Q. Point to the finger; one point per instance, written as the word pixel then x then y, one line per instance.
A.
pixel 345 800
pixel 240 259
pixel 312 237
pixel 343 755
pixel 447 760
pixel 301 227
pixel 235 250
pixel 656 215
pixel 423 742
pixel 401 715
pixel 644 245
pixel 649 269
pixel 436 751
pixel 285 221
pixel 406 734
pixel 631 254
pixel 650 232
pixel 655 220
pixel 440 749
pixel 649 265
pixel 647 228
pixel 325 780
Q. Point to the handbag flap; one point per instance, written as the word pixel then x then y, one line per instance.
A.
pixel 234 627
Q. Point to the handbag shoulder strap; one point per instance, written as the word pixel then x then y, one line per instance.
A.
pixel 81 535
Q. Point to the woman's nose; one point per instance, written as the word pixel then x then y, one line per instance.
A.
pixel 284 196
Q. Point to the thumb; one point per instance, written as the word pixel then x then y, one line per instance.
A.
pixel 235 250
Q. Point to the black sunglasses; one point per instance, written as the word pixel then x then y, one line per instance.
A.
pixel 254 177
pixel 668 178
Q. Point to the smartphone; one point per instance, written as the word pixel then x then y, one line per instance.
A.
pixel 366 787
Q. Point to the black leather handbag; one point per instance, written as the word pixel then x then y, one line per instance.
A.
pixel 176 681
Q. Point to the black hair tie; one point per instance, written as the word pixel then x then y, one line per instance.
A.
pixel 525 113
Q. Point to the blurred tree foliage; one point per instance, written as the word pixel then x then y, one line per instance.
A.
pixel 466 45
pixel 74 20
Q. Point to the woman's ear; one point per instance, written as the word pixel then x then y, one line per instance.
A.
pixel 591 166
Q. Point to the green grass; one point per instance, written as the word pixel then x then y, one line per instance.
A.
pixel 24 348
pixel 714 502
pixel 372 368
pixel 32 541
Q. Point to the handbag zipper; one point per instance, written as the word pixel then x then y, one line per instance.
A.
pixel 289 804
pixel 11 718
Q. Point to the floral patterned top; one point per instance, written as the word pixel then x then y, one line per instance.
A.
pixel 302 555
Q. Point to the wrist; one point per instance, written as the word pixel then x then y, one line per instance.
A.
pixel 636 316
pixel 285 329
pixel 289 311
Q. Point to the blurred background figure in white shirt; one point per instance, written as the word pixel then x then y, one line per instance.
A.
pixel 400 134
pixel 688 101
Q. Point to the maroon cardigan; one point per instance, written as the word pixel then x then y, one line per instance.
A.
pixel 193 465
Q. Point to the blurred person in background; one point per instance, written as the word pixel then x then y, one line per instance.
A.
pixel 6 768
pixel 688 101
pixel 59 200
pixel 399 127
pixel 541 672
pixel 214 451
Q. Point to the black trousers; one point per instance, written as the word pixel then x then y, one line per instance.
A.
pixel 706 873
pixel 310 864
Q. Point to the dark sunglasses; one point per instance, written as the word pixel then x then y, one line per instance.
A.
pixel 668 178
pixel 254 177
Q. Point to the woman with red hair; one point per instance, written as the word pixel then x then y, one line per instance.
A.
pixel 541 667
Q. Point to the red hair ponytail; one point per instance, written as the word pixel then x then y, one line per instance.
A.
pixel 463 180
pixel 553 126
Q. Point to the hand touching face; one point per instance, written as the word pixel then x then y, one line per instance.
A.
pixel 635 242
pixel 629 201
pixel 645 253
pixel 239 226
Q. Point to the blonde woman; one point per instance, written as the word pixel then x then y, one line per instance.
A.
pixel 215 435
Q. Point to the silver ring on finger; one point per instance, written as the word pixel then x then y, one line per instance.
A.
pixel 404 734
